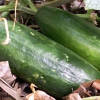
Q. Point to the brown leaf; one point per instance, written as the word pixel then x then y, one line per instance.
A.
pixel 86 89
pixel 8 89
pixel 73 96
pixel 30 97
pixel 82 90
pixel 77 4
pixel 8 83
pixel 5 72
pixel 39 95
pixel 96 84
pixel 20 88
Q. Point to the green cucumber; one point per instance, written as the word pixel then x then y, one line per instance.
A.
pixel 72 32
pixel 39 60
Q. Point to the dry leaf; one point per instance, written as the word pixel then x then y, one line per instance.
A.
pixel 39 95
pixel 77 4
pixel 8 89
pixel 93 17
pixel 87 89
pixel 73 96
pixel 5 72
pixel 96 84
pixel 82 90
pixel 20 87
pixel 8 83
pixel 30 96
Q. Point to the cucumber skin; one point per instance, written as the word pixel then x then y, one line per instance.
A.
pixel 72 32
pixel 39 60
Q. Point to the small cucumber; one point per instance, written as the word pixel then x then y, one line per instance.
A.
pixel 71 31
pixel 39 60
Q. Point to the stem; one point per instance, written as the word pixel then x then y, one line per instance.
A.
pixel 86 16
pixel 7 40
pixel 4 14
pixel 31 5
pixel 54 3
pixel 33 10
pixel 26 10
pixel 7 8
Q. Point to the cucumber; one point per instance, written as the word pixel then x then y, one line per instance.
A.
pixel 72 32
pixel 39 60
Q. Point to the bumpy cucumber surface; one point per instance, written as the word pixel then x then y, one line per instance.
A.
pixel 39 60
pixel 72 32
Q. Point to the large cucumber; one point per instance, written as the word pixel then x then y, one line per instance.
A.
pixel 72 32
pixel 35 58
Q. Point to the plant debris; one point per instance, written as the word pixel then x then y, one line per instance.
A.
pixel 5 72
pixel 38 94
pixel 87 89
